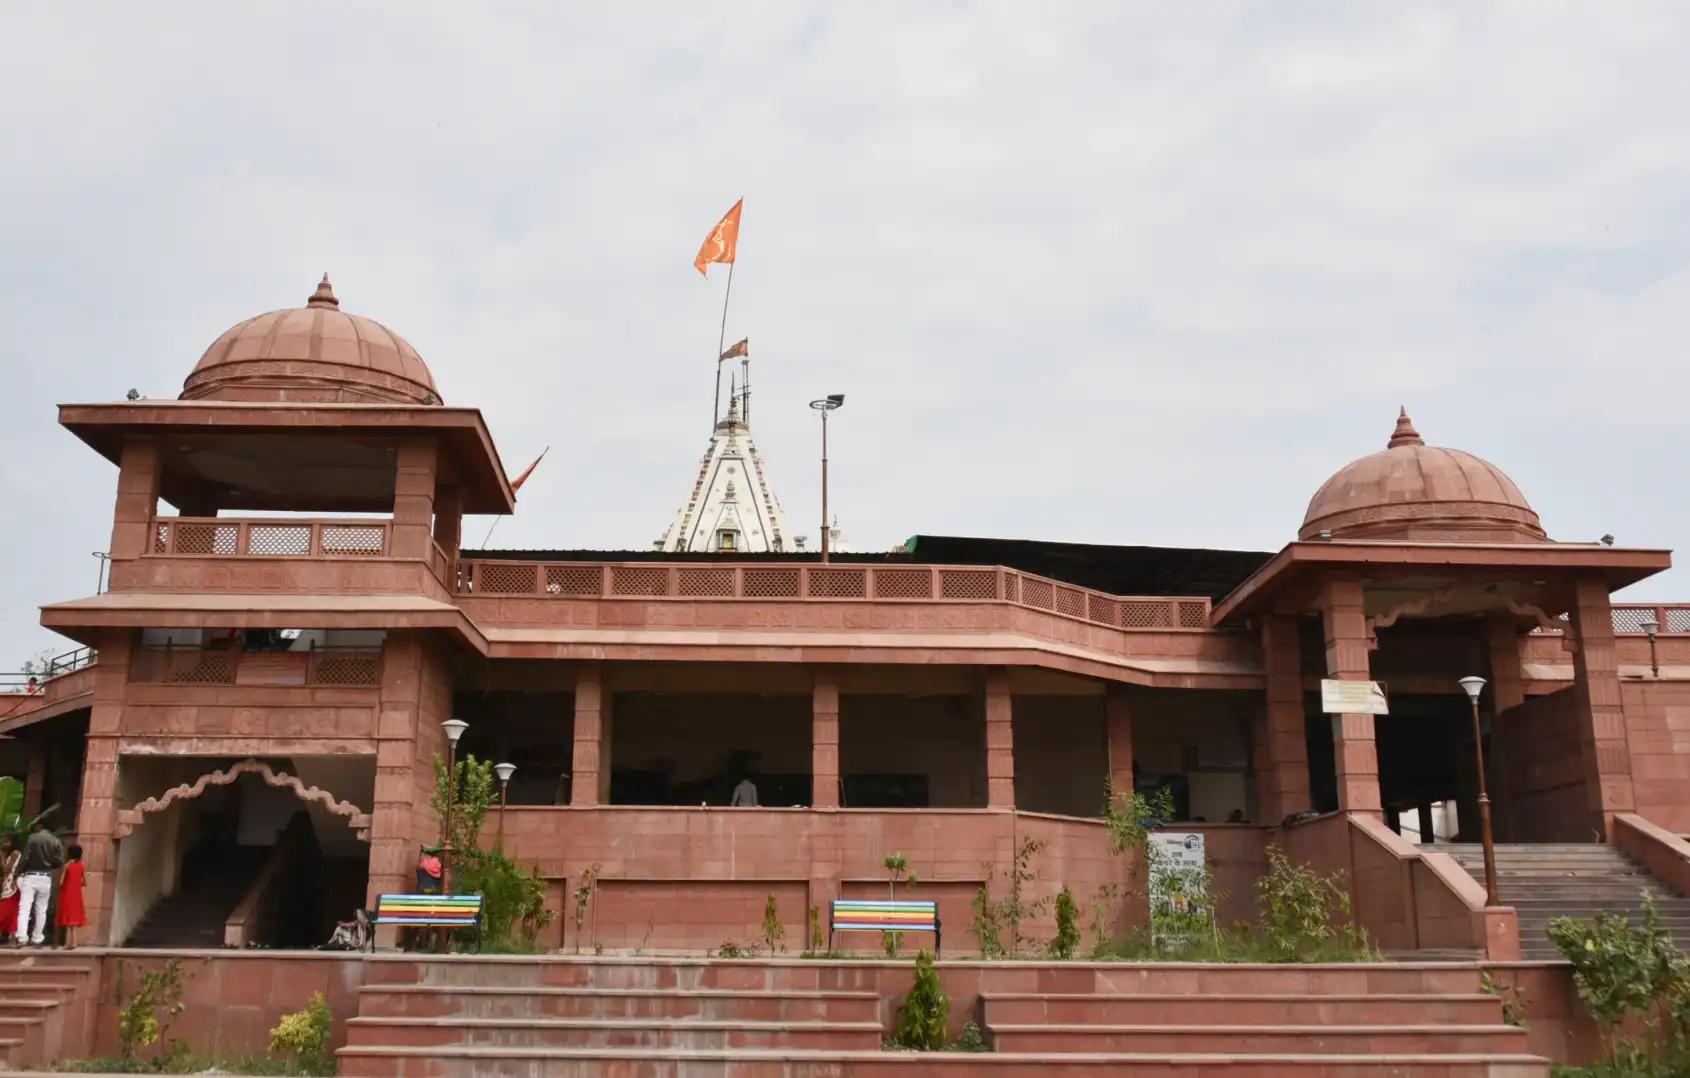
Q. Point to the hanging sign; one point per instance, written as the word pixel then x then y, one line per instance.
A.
pixel 1352 698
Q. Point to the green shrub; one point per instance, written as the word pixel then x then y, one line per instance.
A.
pixel 513 900
pixel 774 933
pixel 971 1039
pixel 1624 972
pixel 926 1011
pixel 139 1024
pixel 305 1036
pixel 1067 926
pixel 1297 904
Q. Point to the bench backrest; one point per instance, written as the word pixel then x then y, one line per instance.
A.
pixel 428 909
pixel 862 914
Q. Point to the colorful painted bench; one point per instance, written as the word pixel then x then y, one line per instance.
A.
pixel 430 911
pixel 883 915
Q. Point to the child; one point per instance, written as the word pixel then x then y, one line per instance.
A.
pixel 71 914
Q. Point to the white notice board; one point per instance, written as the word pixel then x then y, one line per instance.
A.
pixel 1352 698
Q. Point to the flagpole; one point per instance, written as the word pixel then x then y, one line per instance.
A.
pixel 721 344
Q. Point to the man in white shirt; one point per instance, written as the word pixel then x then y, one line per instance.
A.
pixel 745 794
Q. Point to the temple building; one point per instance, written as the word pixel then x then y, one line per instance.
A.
pixel 291 616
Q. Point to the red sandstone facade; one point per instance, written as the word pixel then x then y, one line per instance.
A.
pixel 945 711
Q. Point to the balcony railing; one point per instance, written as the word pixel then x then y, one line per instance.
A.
pixel 1671 617
pixel 235 666
pixel 226 537
pixel 901 583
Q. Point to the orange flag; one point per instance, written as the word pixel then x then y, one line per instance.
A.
pixel 722 242
pixel 516 484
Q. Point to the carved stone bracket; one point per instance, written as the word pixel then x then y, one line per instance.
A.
pixel 129 819
pixel 1421 604
pixel 1545 623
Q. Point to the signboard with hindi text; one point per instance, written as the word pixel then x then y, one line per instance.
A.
pixel 1352 698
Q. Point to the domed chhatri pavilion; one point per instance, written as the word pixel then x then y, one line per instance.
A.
pixel 291 616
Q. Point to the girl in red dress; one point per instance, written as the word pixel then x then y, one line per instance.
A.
pixel 71 914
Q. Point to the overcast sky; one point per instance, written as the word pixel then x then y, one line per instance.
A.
pixel 1125 273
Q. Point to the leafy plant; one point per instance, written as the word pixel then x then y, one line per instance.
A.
pixel 971 1039
pixel 774 933
pixel 472 780
pixel 1624 973
pixel 926 1012
pixel 1105 906
pixel 985 925
pixel 897 870
pixel 997 922
pixel 730 949
pixel 1067 926
pixel 584 899
pixel 1131 816
pixel 1514 1001
pixel 1297 904
pixel 513 900
pixel 139 1024
pixel 305 1036
pixel 817 940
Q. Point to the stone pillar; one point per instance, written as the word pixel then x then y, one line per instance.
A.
pixel 1118 738
pixel 590 783
pixel 1604 749
pixel 393 845
pixel 1508 691
pixel 449 519
pixel 1000 740
pixel 96 812
pixel 1355 754
pixel 824 738
pixel 1282 765
pixel 137 498
pixel 413 497
pixel 35 777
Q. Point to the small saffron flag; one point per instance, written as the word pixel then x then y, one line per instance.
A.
pixel 722 242
pixel 516 484
pixel 743 348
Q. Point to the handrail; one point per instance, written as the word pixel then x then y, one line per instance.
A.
pixel 255 915
pixel 226 666
pixel 480 577
pixel 17 681
pixel 1664 854
pixel 226 537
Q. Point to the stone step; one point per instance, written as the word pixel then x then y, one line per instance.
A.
pixel 611 1033
pixel 1246 1010
pixel 569 1063
pixel 425 1001
pixel 1271 1039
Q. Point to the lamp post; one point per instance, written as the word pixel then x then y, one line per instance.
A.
pixel 1473 686
pixel 824 406
pixel 1650 627
pixel 454 729
pixel 504 771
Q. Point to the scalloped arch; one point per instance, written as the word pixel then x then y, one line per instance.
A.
pixel 129 819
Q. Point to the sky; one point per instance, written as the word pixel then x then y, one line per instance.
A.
pixel 1115 273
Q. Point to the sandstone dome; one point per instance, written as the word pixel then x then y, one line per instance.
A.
pixel 1413 491
pixel 315 353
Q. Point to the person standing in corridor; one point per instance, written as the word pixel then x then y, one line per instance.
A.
pixel 42 858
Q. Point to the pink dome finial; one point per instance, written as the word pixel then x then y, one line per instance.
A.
pixel 324 296
pixel 1405 434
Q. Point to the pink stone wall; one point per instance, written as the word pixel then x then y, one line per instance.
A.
pixel 1536 746
pixel 1657 719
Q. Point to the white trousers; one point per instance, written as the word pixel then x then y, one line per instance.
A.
pixel 35 890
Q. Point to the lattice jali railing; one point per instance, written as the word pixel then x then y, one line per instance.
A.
pixel 196 538
pixel 781 583
pixel 354 540
pixel 1193 613
pixel 969 584
pixel 1147 614
pixel 1678 619
pixel 704 583
pixel 1037 593
pixel 1629 617
pixel 1070 601
pixel 574 580
pixel 903 584
pixel 1103 610
pixel 279 540
pixel 646 580
pixel 503 578
pixel 184 666
pixel 838 583
pixel 361 667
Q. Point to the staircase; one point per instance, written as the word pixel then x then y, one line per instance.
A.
pixel 46 1007
pixel 543 1016
pixel 209 890
pixel 1545 880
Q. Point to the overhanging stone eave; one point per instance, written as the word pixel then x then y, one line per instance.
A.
pixel 967 649
pixel 1618 566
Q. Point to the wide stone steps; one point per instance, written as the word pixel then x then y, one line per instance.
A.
pixel 45 1006
pixel 1262 1039
pixel 613 1033
pixel 1570 880
pixel 1250 1010
pixel 492 1001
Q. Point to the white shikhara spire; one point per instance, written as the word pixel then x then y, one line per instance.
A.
pixel 731 509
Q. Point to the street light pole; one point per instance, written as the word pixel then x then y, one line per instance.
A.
pixel 504 771
pixel 824 406
pixel 454 729
pixel 1473 686
pixel 1650 626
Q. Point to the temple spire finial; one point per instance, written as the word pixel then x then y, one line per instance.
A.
pixel 324 296
pixel 1404 434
